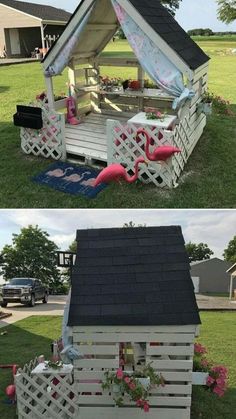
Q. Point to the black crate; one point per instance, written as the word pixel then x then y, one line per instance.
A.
pixel 28 117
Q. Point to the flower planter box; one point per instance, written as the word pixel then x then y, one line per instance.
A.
pixel 200 378
pixel 144 381
pixel 205 108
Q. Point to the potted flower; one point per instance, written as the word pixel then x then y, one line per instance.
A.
pixel 213 377
pixel 134 385
pixel 152 113
pixel 205 106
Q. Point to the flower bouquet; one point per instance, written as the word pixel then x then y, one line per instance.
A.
pixel 135 385
pixel 152 113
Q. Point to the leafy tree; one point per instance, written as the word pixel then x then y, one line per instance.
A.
pixel 227 10
pixel 230 252
pixel 73 247
pixel 171 5
pixel 31 254
pixel 131 224
pixel 199 251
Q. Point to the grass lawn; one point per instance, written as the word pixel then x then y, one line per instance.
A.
pixel 209 177
pixel 30 337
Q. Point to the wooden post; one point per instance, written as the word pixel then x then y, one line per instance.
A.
pixel 231 287
pixel 72 81
pixel 43 40
pixel 141 75
pixel 50 92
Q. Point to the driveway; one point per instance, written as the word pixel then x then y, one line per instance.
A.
pixel 207 302
pixel 54 307
pixel 10 61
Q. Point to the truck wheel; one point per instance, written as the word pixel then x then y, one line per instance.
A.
pixel 4 304
pixel 32 301
pixel 45 299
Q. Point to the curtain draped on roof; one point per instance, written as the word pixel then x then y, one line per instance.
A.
pixel 153 61
pixel 64 56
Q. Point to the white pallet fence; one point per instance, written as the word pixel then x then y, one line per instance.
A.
pixel 172 357
pixel 49 141
pixel 53 396
pixel 124 148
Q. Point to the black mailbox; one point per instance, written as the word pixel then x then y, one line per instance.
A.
pixel 28 117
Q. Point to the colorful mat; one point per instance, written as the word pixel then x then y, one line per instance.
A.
pixel 69 178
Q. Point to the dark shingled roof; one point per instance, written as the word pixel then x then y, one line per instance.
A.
pixel 132 276
pixel 38 10
pixel 163 23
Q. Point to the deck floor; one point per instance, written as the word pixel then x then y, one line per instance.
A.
pixel 89 139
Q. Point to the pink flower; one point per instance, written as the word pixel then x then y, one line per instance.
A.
pixel 199 349
pixel 127 380
pixel 132 386
pixel 159 114
pixel 146 407
pixel 119 374
pixel 217 390
pixel 139 402
pixel 204 363
pixel 210 381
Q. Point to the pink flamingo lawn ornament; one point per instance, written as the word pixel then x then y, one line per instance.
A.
pixel 115 172
pixel 161 153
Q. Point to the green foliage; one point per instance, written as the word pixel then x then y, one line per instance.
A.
pixel 230 252
pixel 171 5
pixel 200 32
pixel 73 247
pixel 31 254
pixel 227 10
pixel 131 224
pixel 198 251
pixel 128 384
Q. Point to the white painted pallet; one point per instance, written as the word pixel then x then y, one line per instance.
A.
pixel 42 395
pixel 49 141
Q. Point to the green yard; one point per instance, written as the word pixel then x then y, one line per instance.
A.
pixel 28 338
pixel 208 180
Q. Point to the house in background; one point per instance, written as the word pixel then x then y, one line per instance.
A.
pixel 26 26
pixel 212 274
pixel 232 289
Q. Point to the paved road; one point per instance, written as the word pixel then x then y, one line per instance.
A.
pixel 54 307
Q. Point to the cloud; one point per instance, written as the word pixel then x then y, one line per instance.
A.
pixel 214 227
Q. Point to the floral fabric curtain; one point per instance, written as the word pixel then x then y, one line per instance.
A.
pixel 156 64
pixel 64 56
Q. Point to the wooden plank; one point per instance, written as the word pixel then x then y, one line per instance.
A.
pixel 99 349
pixel 156 401
pixel 144 330
pixel 138 337
pixel 86 153
pixel 176 364
pixel 96 363
pixel 170 350
pixel 172 376
pixel 118 62
pixel 132 413
pixel 85 136
pixel 86 146
pixel 185 389
pixel 118 107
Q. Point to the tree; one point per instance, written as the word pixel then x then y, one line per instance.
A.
pixel 171 5
pixel 230 252
pixel 73 247
pixel 131 224
pixel 227 10
pixel 198 251
pixel 31 254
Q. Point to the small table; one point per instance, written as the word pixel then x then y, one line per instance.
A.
pixel 64 370
pixel 140 119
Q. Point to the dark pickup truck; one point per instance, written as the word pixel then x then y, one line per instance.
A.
pixel 23 290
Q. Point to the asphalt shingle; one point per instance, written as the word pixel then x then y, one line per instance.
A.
pixel 147 284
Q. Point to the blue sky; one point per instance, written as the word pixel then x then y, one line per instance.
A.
pixel 214 227
pixel 192 13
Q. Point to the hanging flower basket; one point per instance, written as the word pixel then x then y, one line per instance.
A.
pixel 134 385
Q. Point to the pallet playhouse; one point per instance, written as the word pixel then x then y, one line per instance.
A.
pixel 131 289
pixel 164 52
